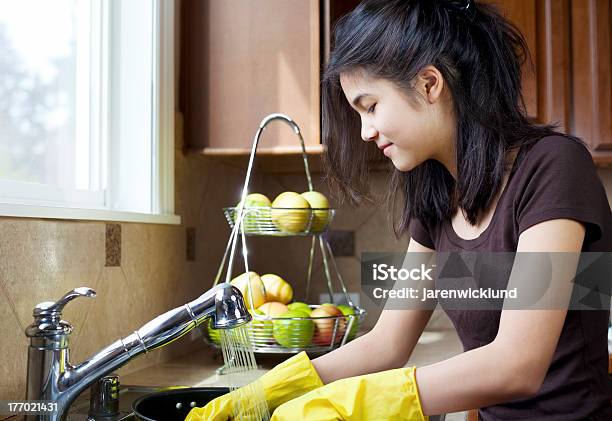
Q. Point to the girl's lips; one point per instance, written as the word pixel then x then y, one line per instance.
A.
pixel 385 149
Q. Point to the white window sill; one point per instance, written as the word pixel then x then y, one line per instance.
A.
pixel 53 212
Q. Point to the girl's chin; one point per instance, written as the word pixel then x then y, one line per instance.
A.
pixel 404 168
pixel 403 163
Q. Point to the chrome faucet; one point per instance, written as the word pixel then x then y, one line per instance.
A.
pixel 51 376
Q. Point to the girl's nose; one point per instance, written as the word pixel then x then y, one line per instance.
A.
pixel 368 133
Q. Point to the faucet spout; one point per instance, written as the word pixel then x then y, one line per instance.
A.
pixel 51 377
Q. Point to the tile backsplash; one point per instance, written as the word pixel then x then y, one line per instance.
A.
pixel 113 245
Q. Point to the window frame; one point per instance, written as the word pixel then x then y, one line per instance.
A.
pixel 85 204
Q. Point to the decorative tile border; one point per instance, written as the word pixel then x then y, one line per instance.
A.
pixel 113 245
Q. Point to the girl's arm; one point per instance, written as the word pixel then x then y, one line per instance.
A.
pixel 388 345
pixel 383 348
pixel 515 364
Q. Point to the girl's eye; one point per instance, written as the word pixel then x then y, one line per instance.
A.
pixel 371 109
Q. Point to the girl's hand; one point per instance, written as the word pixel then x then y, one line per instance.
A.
pixel 388 395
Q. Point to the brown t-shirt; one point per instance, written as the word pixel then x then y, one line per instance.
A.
pixel 550 179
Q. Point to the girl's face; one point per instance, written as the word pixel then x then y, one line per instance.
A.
pixel 409 132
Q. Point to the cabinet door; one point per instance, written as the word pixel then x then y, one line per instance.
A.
pixel 546 86
pixel 242 60
pixel 331 11
pixel 592 74
pixel 569 42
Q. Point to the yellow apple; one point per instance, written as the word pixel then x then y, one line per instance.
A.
pixel 255 219
pixel 287 213
pixel 253 200
pixel 277 289
pixel 250 282
pixel 317 201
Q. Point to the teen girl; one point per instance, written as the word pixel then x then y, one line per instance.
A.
pixel 434 86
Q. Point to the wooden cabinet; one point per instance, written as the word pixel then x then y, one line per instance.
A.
pixel 546 85
pixel 242 60
pixel 592 74
pixel 570 84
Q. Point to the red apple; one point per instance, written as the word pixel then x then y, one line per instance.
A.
pixel 332 309
pixel 324 327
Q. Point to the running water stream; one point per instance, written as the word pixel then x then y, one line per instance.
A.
pixel 248 398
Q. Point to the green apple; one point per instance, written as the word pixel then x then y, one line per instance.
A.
pixel 350 311
pixel 299 306
pixel 303 312
pixel 255 219
pixel 293 333
pixel 317 201
pixel 230 335
pixel 346 310
pixel 290 212
pixel 213 334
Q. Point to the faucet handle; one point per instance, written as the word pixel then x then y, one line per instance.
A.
pixel 50 308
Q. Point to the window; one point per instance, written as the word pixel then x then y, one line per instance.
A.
pixel 86 109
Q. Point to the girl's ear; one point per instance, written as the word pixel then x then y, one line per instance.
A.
pixel 430 84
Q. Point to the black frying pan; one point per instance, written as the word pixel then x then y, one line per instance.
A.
pixel 174 405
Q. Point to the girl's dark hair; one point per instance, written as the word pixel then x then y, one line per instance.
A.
pixel 479 54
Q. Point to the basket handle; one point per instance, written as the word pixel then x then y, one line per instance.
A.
pixel 262 126
pixel 239 219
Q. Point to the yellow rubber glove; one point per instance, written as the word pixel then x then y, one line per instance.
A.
pixel 387 395
pixel 286 381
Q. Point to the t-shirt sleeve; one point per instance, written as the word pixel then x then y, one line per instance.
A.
pixel 420 233
pixel 562 183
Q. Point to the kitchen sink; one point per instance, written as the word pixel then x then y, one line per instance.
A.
pixel 169 403
pixel 127 395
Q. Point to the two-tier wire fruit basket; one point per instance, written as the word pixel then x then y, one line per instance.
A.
pixel 287 335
